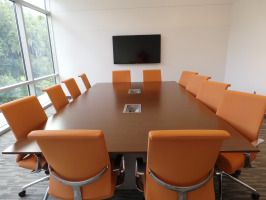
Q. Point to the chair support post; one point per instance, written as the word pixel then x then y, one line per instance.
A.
pixel 139 172
pixel 219 173
pixel 77 193
pixel 182 196
pixel 119 166
pixel 38 168
pixel 247 160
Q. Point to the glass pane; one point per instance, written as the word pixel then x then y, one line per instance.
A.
pixel 13 94
pixel 39 43
pixel 38 3
pixel 11 62
pixel 44 84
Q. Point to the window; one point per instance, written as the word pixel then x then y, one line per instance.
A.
pixel 26 52
pixel 44 84
pixel 11 95
pixel 11 62
pixel 38 3
pixel 38 42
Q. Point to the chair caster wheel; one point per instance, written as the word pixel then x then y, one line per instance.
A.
pixel 47 172
pixel 238 172
pixel 255 196
pixel 22 193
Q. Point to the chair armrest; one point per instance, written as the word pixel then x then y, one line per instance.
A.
pixel 140 167
pixel 247 160
pixel 38 167
pixel 247 155
pixel 259 141
pixel 21 157
pixel 119 167
pixel 118 163
pixel 139 173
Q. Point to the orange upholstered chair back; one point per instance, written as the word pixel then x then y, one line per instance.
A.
pixel 211 93
pixel 185 77
pixel 152 75
pixel 121 76
pixel 75 155
pixel 57 96
pixel 85 81
pixel 24 115
pixel 182 158
pixel 72 88
pixel 194 83
pixel 152 87
pixel 243 111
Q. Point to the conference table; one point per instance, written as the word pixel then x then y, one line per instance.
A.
pixel 164 106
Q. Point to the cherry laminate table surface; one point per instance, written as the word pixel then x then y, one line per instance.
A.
pixel 164 106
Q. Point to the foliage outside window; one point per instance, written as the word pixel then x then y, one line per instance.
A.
pixel 14 94
pixel 44 84
pixel 13 69
pixel 11 62
pixel 38 41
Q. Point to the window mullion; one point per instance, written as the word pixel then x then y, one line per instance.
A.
pixel 52 42
pixel 25 47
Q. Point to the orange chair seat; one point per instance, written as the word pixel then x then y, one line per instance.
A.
pixel 230 162
pixel 30 162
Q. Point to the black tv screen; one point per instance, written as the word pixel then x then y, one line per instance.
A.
pixel 132 49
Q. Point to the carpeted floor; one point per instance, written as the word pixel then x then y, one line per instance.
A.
pixel 13 177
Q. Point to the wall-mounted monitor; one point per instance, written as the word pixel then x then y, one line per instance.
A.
pixel 133 49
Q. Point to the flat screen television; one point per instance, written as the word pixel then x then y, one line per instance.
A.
pixel 133 49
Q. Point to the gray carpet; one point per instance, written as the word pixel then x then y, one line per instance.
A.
pixel 13 177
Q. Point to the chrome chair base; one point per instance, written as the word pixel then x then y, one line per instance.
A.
pixel 221 174
pixel 22 193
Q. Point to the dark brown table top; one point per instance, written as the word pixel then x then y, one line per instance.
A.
pixel 164 106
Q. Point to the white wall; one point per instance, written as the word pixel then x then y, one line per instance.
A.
pixel 194 36
pixel 246 58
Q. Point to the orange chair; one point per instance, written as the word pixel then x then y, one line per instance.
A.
pixel 194 83
pixel 185 77
pixel 85 81
pixel 180 164
pixel 72 88
pixel 57 96
pixel 121 76
pixel 152 87
pixel 79 164
pixel 23 116
pixel 152 75
pixel 211 93
pixel 245 113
